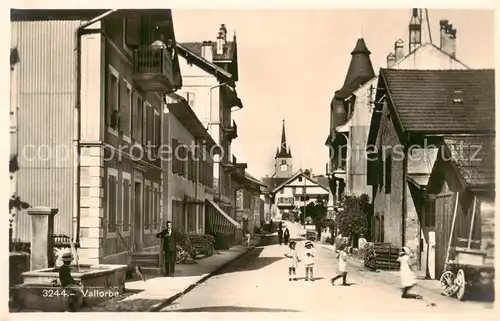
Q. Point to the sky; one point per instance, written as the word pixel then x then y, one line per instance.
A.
pixel 292 61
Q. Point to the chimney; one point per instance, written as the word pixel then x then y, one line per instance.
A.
pixel 399 52
pixel 448 38
pixel 391 60
pixel 220 43
pixel 206 50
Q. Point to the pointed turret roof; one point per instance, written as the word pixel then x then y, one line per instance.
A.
pixel 283 151
pixel 359 72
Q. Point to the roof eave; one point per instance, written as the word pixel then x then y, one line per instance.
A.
pixel 204 64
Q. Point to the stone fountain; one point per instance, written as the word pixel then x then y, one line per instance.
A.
pixel 41 290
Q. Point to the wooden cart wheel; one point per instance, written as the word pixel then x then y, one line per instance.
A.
pixel 461 285
pixel 448 286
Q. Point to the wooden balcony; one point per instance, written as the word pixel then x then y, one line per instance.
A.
pixel 231 131
pixel 153 69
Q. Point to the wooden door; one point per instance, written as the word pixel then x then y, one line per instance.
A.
pixel 444 217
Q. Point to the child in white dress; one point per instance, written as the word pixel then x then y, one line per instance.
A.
pixel 309 257
pixel 294 259
pixel 342 266
pixel 407 276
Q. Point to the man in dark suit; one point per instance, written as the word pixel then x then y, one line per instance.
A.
pixel 170 239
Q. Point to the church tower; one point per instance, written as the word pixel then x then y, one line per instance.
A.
pixel 283 167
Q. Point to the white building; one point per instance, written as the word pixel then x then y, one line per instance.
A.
pixel 297 191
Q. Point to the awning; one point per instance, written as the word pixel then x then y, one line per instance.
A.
pixel 191 200
pixel 227 217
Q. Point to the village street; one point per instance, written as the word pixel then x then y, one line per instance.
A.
pixel 258 282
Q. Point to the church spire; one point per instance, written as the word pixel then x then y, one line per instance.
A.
pixel 283 150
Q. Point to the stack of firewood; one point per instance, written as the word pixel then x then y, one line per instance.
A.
pixel 381 256
pixel 194 246
pixel 183 256
pixel 202 244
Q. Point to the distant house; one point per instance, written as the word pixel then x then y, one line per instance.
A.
pixel 106 111
pixel 299 190
pixel 462 182
pixel 407 126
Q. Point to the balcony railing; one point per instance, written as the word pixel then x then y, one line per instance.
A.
pixel 153 69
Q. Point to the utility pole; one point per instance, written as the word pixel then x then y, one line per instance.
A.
pixel 304 196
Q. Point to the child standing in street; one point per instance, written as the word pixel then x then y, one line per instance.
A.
pixel 341 266
pixel 294 259
pixel 407 277
pixel 309 260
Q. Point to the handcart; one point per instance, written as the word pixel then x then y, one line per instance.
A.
pixel 466 269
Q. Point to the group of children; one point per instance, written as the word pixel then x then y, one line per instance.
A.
pixel 309 258
pixel 407 276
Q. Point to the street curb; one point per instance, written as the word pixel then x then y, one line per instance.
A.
pixel 157 307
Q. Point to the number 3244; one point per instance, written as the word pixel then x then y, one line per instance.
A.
pixel 50 293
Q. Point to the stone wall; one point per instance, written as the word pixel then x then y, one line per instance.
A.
pixel 390 204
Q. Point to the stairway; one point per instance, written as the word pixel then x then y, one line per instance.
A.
pixel 148 261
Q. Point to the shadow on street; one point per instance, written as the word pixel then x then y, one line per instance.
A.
pixel 249 261
pixel 230 308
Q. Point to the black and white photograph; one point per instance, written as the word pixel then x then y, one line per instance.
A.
pixel 327 161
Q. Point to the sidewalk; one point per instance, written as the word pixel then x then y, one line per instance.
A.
pixel 157 292
pixel 390 277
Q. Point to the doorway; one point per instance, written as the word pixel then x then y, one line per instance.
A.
pixel 138 216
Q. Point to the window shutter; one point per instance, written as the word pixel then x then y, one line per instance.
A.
pixel 388 171
pixel 174 156
pixel 183 161
pixel 132 27
pixel 150 124
pixel 144 111
pixel 126 204
pixel 380 169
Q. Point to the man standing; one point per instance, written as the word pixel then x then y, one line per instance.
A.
pixel 169 248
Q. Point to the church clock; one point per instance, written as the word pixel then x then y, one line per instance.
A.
pixel 283 167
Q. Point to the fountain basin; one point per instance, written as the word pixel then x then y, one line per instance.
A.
pixel 42 291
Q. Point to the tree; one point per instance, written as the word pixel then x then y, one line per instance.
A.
pixel 316 211
pixel 353 218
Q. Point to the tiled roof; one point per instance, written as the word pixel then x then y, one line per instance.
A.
pixel 323 181
pixel 273 182
pixel 474 157
pixel 213 68
pixel 228 51
pixel 442 101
